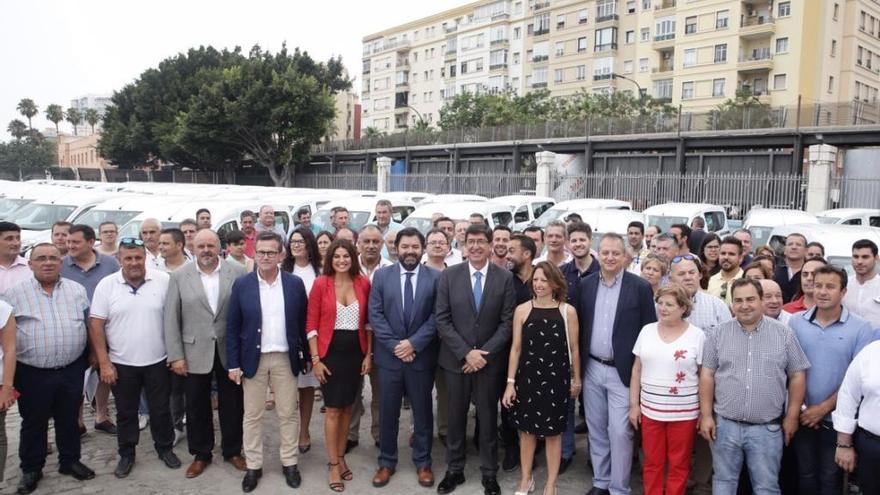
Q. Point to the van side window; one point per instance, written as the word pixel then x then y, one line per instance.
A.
pixel 714 221
pixel 852 221
pixel 399 213
pixel 502 218
pixel 875 221
pixel 522 214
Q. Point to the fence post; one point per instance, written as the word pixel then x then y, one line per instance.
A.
pixel 544 173
pixel 383 174
pixel 822 159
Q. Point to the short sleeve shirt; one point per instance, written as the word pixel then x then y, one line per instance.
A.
pixel 669 379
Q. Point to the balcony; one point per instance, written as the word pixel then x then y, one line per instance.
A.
pixel 603 77
pixel 758 60
pixel 757 26
pixel 608 17
pixel 662 41
pixel 539 85
pixel 399 45
pixel 604 48
pixel 449 29
pixel 493 67
pixel 499 42
pixel 540 58
pixel 663 5
pixel 664 70
pixel 402 86
pixel 500 15
pixel 541 4
pixel 450 55
pixel 541 32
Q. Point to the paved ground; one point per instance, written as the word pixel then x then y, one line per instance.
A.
pixel 150 476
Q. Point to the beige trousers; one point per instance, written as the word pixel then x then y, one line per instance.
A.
pixel 274 371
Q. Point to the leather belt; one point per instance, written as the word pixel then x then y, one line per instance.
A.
pixel 777 421
pixel 606 362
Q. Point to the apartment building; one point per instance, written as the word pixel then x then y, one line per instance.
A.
pixel 696 53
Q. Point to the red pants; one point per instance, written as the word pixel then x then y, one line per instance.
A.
pixel 667 443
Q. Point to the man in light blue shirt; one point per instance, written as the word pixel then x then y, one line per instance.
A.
pixel 831 337
pixel 385 222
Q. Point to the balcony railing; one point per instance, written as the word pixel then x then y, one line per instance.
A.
pixel 664 4
pixel 497 66
pixel 543 4
pixel 664 37
pixel 542 31
pixel 602 77
pixel 497 42
pixel 539 85
pixel 607 17
pixel 540 58
pixel 755 56
pixel 757 20
pixel 451 28
pixel 663 68
pixel 605 47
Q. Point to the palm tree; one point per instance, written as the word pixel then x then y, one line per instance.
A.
pixel 75 117
pixel 92 117
pixel 17 129
pixel 28 109
pixel 55 114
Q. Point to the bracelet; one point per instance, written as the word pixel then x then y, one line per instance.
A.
pixel 316 358
pixel 511 381
pixel 842 446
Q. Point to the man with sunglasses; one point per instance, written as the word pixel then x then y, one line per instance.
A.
pixel 729 258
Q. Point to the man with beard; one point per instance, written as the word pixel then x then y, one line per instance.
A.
pixel 580 237
pixel 401 312
pixel 805 301
pixel 520 255
pixel 788 274
pixel 729 258
pixel 682 234
pixel 863 291
pixel 500 244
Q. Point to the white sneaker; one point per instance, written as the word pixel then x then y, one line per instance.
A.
pixel 143 421
pixel 178 436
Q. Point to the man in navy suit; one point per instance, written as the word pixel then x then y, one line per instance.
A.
pixel 613 306
pixel 405 351
pixel 265 344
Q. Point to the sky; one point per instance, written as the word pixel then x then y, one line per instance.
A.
pixel 53 51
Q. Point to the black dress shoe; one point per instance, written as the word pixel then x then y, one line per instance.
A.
pixel 292 476
pixel 78 470
pixel 449 482
pixel 28 482
pixel 350 444
pixel 442 439
pixel 251 478
pixel 170 459
pixel 581 428
pixel 123 467
pixel 564 464
pixel 490 486
pixel 511 459
pixel 598 491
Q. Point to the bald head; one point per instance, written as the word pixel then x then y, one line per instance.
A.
pixel 150 230
pixel 772 298
pixel 207 250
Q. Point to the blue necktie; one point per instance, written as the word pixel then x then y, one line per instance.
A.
pixel 478 290
pixel 407 299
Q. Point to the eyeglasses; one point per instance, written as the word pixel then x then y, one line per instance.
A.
pixel 298 242
pixel 131 241
pixel 266 254
pixel 687 257
pixel 46 259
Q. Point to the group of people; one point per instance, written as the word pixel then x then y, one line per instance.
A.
pixel 724 365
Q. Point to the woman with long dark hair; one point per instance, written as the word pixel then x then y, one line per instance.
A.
pixel 324 239
pixel 709 253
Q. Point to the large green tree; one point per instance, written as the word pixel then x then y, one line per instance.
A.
pixel 55 114
pixel 744 111
pixel 18 129
pixel 27 108
pixel 75 117
pixel 216 110
pixel 28 153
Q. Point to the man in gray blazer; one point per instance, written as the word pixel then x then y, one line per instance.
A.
pixel 474 311
pixel 195 338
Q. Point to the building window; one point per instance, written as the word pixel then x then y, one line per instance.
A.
pixel 664 29
pixel 690 25
pixel 516 58
pixel 718 88
pixel 603 69
pixel 631 6
pixel 606 10
pixel 557 76
pixel 643 65
pixel 581 72
pixel 687 90
pixel 781 45
pixel 539 76
pixel 690 57
pixel 630 37
pixel 582 16
pixel 646 4
pixel 627 66
pixel 833 48
pixel 779 81
pixel 721 19
pixel 517 33
pixel 836 10
pixel 605 39
pixel 721 53
pixel 646 34
pixel 830 84
pixel 784 9
pixel 663 89
pixel 542 24
pixel 560 48
pixel 560 21
pixel 582 44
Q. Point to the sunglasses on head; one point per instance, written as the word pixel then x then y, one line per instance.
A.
pixel 687 257
pixel 131 241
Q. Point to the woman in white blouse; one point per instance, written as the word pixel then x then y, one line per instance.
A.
pixel 664 402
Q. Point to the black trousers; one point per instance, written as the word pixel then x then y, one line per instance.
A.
pixel 200 415
pixel 177 402
pixel 155 380
pixel 49 394
pixel 483 387
pixel 868 450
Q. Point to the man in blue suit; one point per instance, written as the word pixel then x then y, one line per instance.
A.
pixel 613 306
pixel 405 351
pixel 265 344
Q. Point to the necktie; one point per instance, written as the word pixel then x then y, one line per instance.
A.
pixel 478 290
pixel 407 299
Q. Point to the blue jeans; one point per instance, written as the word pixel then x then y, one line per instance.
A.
pixel 818 472
pixel 568 434
pixel 761 448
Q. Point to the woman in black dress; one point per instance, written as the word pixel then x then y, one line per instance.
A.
pixel 543 372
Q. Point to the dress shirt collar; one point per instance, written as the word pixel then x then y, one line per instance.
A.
pixel 414 271
pixel 215 272
pixel 267 284
pixel 484 271
pixel 810 315
pixel 761 324
pixel 614 282
pixel 21 260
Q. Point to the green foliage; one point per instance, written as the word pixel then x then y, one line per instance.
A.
pixel 75 117
pixel 744 111
pixel 27 108
pixel 91 117
pixel 18 129
pixel 33 152
pixel 215 110
pixel 55 114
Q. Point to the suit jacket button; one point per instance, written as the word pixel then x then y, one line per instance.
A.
pixel 258 330
pixel 258 346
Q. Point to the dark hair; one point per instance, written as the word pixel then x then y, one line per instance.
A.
pixel 302 211
pixel 325 233
pixel 865 244
pixel 698 222
pixel 337 209
pixel 478 229
pixel 502 228
pixel 61 223
pixel 107 223
pixel 819 259
pixel 479 215
pixel 757 265
pixel 574 217
pixel 9 226
pixel 582 227
pixel 818 245
pixel 177 235
pixel 710 237
pixel 833 270
pixel 268 235
pixel 202 210
pixel 659 230
pixel 734 241
pixel 188 221
pixel 311 245
pixel 87 232
pixel 637 224
pixel 247 213
pixel 435 230
pixel 234 237
pixel 527 244
pixel 411 232
pixel 34 249
pixel 355 270
pixel 742 282
pixel 444 219
pixel 534 228
pixel 554 277
pixel 685 230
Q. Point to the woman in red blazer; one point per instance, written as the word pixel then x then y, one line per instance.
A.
pixel 340 346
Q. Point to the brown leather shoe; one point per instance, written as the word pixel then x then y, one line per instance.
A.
pixel 237 461
pixel 426 477
pixel 196 468
pixel 383 476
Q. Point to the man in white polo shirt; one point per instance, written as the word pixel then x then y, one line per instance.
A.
pixel 126 319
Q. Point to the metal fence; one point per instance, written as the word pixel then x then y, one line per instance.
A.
pixel 484 184
pixel 737 192
pixel 761 117
pixel 855 192
pixel 364 182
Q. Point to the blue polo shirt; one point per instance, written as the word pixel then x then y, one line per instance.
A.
pixel 573 277
pixel 104 265
pixel 830 350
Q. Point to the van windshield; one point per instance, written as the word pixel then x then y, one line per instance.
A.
pixel 41 217
pixel 665 223
pixel 9 205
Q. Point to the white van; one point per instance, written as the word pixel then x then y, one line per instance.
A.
pixel 668 214
pixel 526 209
pixel 761 221
pixel 497 214
pixel 37 217
pixel 836 239
pixel 362 211
pixel 850 216
pixel 562 209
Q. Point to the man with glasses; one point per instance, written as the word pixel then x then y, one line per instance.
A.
pixel 195 338
pixel 129 343
pixel 265 346
pixel 788 274
pixel 729 258
pixel 107 233
pixel 447 225
pixel 830 336
pixel 50 315
pixel 437 249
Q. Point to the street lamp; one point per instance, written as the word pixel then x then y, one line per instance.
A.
pixel 615 75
